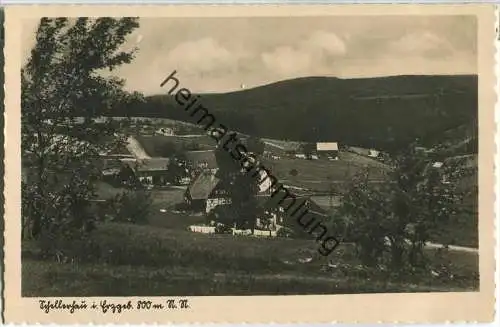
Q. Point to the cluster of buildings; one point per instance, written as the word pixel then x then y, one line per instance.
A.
pixel 310 151
pixel 206 192
pixel 155 171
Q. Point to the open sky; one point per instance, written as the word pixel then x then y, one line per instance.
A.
pixel 224 54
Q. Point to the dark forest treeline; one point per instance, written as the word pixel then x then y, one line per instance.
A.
pixel 384 112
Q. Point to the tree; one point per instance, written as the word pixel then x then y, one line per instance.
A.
pixel 241 187
pixel 132 206
pixel 177 168
pixel 255 145
pixel 308 149
pixel 63 90
pixel 391 222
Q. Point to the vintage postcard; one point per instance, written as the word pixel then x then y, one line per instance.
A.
pixel 249 164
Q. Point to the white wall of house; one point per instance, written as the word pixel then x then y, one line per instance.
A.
pixel 146 179
pixel 213 202
pixel 373 153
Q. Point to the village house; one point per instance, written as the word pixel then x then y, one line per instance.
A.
pixel 205 191
pixel 152 171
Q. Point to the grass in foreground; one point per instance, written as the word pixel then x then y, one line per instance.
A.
pixel 143 260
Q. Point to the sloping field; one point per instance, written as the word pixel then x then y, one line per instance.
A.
pixel 153 144
pixel 317 174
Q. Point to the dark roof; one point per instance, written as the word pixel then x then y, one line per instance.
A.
pixel 201 186
pixel 151 164
pixel 112 164
pixel 206 157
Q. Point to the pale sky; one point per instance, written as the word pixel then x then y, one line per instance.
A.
pixel 221 54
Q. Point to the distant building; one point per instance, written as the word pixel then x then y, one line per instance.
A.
pixel 421 149
pixel 167 131
pixel 372 153
pixel 437 164
pixel 328 149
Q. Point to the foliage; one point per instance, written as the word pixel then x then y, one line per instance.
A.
pixel 132 206
pixel 391 222
pixel 242 189
pixel 308 148
pixel 63 91
pixel 177 168
pixel 255 145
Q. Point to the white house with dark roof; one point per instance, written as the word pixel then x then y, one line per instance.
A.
pixel 328 149
pixel 151 171
pixel 204 192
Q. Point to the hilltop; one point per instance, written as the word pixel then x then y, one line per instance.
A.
pixel 384 112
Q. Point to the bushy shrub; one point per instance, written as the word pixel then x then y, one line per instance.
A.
pixel 132 206
pixel 391 222
pixel 285 232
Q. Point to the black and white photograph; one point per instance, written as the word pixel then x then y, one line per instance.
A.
pixel 249 155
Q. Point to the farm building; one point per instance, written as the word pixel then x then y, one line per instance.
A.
pixel 328 149
pixel 204 192
pixel 151 171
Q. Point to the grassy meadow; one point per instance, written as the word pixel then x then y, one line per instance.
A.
pixel 137 260
pixel 162 258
